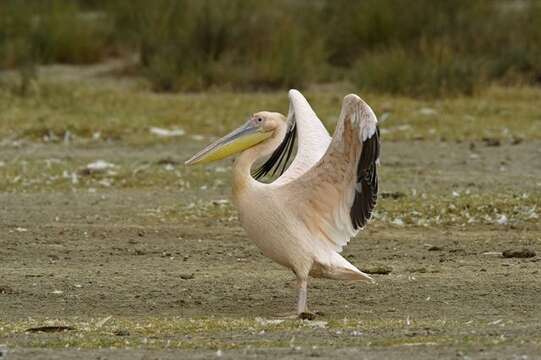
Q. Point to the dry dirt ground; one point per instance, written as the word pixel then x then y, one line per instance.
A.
pixel 145 259
pixel 148 261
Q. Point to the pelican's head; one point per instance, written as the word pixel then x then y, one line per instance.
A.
pixel 258 128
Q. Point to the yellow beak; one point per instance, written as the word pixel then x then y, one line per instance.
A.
pixel 239 140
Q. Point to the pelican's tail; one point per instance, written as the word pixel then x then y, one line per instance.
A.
pixel 339 269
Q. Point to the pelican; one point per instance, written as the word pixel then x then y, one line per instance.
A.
pixel 304 218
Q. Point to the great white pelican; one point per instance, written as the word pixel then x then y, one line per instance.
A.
pixel 304 218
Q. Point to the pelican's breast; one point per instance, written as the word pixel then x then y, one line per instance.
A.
pixel 271 225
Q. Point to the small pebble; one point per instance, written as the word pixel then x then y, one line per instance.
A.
pixel 378 270
pixel 307 316
pixel 121 332
pixel 519 253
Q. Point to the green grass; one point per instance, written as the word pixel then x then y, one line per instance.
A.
pixel 120 115
pixel 35 160
pixel 432 50
pixel 228 333
pixel 123 116
pixel 464 206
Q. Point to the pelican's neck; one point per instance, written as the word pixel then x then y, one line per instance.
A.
pixel 242 169
pixel 242 177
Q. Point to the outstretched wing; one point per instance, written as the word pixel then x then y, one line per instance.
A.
pixel 335 198
pixel 312 142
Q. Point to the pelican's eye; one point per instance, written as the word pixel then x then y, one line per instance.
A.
pixel 259 120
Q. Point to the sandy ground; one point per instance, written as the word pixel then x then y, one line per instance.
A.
pixel 71 256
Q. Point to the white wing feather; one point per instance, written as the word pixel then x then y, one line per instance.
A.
pixel 324 195
pixel 313 138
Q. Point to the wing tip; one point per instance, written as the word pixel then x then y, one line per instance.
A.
pixel 354 99
pixel 361 114
pixel 294 92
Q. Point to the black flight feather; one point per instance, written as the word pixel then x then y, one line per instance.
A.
pixel 282 152
pixel 366 192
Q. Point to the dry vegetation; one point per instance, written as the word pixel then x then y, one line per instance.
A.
pixel 427 49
